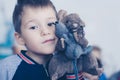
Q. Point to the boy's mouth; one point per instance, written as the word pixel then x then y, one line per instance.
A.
pixel 48 40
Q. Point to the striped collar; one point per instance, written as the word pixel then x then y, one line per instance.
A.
pixel 26 58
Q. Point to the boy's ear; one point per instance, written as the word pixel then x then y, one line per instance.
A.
pixel 19 38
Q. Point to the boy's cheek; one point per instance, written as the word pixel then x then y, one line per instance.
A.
pixel 56 38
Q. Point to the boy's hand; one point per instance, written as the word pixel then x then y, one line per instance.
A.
pixel 88 76
pixel 93 77
pixel 100 71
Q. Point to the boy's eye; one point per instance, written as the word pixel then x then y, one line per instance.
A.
pixel 51 24
pixel 34 27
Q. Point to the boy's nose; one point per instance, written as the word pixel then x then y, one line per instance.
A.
pixel 45 31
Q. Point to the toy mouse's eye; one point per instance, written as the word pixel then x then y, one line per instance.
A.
pixel 81 27
pixel 67 21
pixel 56 22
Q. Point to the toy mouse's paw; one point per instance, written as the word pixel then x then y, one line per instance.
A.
pixel 55 76
pixel 88 49
pixel 60 45
pixel 82 41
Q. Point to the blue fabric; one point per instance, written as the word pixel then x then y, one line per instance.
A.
pixel 103 77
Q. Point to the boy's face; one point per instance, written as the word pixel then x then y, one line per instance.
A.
pixel 36 35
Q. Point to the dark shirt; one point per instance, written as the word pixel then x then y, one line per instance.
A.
pixel 30 71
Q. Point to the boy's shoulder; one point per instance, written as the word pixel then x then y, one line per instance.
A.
pixel 8 67
pixel 10 61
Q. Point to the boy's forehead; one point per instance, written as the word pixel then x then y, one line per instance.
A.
pixel 33 10
pixel 47 11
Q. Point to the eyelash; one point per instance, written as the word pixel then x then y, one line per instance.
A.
pixel 33 27
pixel 52 23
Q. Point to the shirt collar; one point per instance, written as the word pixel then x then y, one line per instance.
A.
pixel 26 58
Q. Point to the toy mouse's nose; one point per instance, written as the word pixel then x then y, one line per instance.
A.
pixel 75 25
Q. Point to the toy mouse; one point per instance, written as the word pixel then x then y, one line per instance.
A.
pixel 72 51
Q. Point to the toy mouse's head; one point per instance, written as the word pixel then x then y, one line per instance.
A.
pixel 73 22
pixel 75 26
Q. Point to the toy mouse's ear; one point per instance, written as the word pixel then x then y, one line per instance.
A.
pixel 61 14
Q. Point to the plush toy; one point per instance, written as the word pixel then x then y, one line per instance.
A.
pixel 72 50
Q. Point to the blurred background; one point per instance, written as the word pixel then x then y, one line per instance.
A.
pixel 102 19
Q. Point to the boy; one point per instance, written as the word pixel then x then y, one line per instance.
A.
pixel 31 19
pixel 34 25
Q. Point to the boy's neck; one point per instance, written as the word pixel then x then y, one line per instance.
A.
pixel 40 59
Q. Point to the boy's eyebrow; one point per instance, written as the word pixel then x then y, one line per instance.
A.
pixel 52 18
pixel 31 20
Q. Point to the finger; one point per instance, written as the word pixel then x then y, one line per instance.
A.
pixel 100 71
pixel 90 77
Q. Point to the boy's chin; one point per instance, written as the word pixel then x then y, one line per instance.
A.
pixel 49 52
